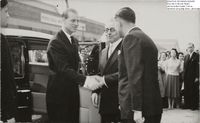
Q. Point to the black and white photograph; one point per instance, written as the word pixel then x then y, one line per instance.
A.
pixel 100 61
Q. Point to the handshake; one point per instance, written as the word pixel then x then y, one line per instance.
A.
pixel 94 82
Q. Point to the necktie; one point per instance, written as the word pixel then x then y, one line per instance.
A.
pixel 72 40
pixel 110 50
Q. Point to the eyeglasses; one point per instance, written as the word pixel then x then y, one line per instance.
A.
pixel 110 29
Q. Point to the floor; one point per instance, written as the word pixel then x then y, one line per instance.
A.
pixel 180 116
pixel 169 116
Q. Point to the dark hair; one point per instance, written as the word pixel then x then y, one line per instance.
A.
pixel 3 3
pixel 66 12
pixel 175 52
pixel 162 53
pixel 127 14
pixel 180 53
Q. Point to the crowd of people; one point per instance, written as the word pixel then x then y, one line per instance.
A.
pixel 175 82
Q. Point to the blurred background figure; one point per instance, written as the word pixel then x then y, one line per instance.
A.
pixel 191 78
pixel 162 75
pixel 109 102
pixel 8 86
pixel 181 58
pixel 173 68
pixel 168 54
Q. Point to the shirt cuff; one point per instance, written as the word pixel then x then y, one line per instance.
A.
pixel 86 82
pixel 104 82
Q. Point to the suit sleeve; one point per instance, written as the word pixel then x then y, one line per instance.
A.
pixel 135 68
pixel 197 66
pixel 111 79
pixel 59 62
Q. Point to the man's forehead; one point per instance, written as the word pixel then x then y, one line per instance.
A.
pixel 110 25
pixel 190 45
pixel 72 15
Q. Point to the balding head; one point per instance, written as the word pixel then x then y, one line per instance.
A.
pixel 111 33
pixel 190 47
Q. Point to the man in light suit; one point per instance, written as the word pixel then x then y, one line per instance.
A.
pixel 191 78
pixel 108 66
pixel 139 93
pixel 62 89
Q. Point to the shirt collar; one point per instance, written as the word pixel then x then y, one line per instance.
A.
pixel 68 35
pixel 115 44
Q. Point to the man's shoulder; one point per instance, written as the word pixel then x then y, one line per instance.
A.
pixel 136 32
pixel 55 40
pixel 196 55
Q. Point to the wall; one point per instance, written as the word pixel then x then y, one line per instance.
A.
pixel 163 24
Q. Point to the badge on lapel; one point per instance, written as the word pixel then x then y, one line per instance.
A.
pixel 119 52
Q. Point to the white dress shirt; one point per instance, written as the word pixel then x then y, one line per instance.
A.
pixel 191 54
pixel 112 47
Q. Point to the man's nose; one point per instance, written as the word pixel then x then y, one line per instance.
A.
pixel 76 23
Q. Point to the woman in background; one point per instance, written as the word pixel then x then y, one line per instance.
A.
pixel 172 68
pixel 161 73
pixel 162 77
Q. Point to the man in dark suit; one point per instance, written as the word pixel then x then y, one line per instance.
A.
pixel 138 72
pixel 108 66
pixel 62 90
pixel 191 78
pixel 8 87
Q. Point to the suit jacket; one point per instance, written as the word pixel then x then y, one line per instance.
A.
pixel 138 75
pixel 62 87
pixel 191 69
pixel 109 101
pixel 8 86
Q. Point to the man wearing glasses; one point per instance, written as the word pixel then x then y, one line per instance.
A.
pixel 108 66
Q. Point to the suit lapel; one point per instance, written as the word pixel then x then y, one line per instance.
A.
pixel 192 58
pixel 64 38
pixel 113 57
pixel 72 47
pixel 103 59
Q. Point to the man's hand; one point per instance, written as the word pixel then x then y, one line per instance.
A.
pixel 95 99
pixel 196 80
pixel 101 80
pixel 92 83
pixel 12 120
pixel 138 117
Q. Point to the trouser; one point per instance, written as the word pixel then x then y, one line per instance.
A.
pixel 148 119
pixel 152 119
pixel 110 118
pixel 129 118
pixel 60 113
